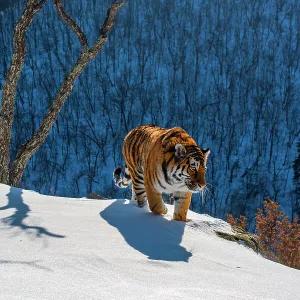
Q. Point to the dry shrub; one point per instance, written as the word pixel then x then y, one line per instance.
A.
pixel 279 238
pixel 237 222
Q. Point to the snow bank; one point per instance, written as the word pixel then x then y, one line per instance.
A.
pixel 63 248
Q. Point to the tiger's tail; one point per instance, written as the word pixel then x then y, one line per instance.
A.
pixel 119 181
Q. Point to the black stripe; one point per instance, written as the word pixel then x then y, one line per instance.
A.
pixel 173 134
pixel 164 135
pixel 142 203
pixel 165 170
pixel 170 159
pixel 192 147
pixel 140 193
pixel 139 188
pixel 172 169
pixel 135 181
pixel 176 198
pixel 129 143
pixel 196 153
pixel 185 176
pixel 140 177
pixel 134 152
pixel 161 184
pixel 178 167
pixel 176 177
pixel 127 176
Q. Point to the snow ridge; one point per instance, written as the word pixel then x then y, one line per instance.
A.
pixel 67 248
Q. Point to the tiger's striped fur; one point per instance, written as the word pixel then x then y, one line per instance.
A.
pixel 160 160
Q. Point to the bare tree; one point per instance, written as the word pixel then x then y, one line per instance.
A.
pixel 12 173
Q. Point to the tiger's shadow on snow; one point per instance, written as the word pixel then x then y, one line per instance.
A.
pixel 152 235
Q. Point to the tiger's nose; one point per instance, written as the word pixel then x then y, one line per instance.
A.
pixel 202 185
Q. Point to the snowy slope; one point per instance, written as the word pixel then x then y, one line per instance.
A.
pixel 63 248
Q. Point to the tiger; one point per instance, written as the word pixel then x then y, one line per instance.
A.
pixel 161 160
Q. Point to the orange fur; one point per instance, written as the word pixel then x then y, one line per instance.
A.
pixel 150 154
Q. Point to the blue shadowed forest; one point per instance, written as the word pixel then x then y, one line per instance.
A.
pixel 227 72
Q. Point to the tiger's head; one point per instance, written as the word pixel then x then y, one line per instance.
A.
pixel 190 167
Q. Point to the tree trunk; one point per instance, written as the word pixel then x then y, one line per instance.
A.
pixel 10 86
pixel 13 176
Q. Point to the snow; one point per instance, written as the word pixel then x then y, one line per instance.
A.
pixel 67 248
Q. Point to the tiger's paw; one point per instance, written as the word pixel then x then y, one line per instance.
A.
pixel 180 218
pixel 165 211
pixel 162 210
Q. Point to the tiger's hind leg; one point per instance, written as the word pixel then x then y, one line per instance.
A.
pixel 138 190
pixel 182 203
pixel 156 204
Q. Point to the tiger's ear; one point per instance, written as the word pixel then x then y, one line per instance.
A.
pixel 205 153
pixel 180 152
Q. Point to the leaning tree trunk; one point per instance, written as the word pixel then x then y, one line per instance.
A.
pixel 10 86
pixel 87 54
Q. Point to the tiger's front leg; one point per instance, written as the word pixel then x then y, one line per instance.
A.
pixel 182 203
pixel 156 203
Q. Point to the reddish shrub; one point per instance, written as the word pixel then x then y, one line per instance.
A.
pixel 240 222
pixel 278 237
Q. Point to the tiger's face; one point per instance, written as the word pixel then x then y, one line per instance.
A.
pixel 195 179
pixel 191 169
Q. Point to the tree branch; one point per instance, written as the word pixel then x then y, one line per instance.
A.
pixel 106 27
pixel 29 148
pixel 72 24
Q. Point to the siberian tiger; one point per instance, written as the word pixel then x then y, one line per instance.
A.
pixel 160 160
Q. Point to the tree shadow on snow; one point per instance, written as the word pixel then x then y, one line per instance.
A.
pixel 152 235
pixel 32 264
pixel 15 200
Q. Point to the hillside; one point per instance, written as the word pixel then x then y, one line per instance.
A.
pixel 64 248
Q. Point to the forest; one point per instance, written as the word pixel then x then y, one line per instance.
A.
pixel 227 72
